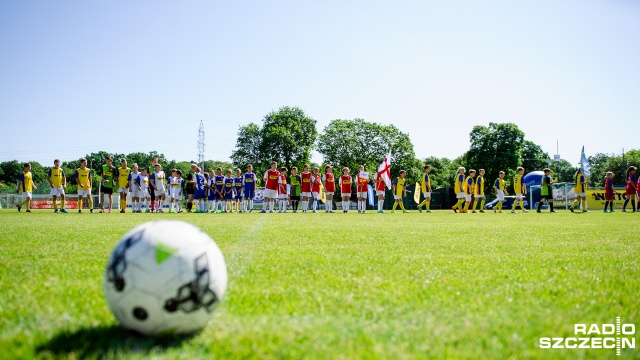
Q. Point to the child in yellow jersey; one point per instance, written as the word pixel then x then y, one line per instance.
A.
pixel 426 190
pixel 469 185
pixel 458 188
pixel 501 191
pixel 84 180
pixel 580 189
pixel 25 183
pixel 478 192
pixel 58 183
pixel 399 190
pixel 123 183
pixel 520 190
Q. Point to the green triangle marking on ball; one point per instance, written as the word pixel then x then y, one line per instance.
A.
pixel 163 252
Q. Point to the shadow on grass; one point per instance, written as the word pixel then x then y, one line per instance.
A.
pixel 105 341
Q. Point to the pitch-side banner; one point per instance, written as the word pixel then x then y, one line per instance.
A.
pixel 596 198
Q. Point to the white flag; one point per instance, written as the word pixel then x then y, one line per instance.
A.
pixel 384 170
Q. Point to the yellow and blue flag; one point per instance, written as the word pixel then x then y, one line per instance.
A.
pixel 584 163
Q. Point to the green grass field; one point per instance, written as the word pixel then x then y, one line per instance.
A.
pixel 441 285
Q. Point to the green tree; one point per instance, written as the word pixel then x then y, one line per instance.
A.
pixel 441 173
pixel 287 136
pixel 248 147
pixel 214 164
pixel 352 143
pixel 11 171
pixel 563 171
pixel 533 157
pixel 494 148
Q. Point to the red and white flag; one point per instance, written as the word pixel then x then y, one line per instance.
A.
pixel 384 170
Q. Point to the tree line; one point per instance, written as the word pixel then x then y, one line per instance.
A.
pixel 289 136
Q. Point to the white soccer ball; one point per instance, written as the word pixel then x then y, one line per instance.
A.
pixel 165 277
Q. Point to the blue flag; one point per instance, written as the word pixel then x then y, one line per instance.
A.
pixel 370 195
pixel 584 163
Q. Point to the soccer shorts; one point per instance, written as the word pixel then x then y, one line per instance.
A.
pixel 134 193
pixel 363 194
pixel 380 192
pixel 176 195
pixel 26 195
pixel 581 194
pixel 479 196
pixel 106 190
pixel 84 192
pixel 122 190
pixel 295 197
pixel 284 197
pixel 500 195
pixel 212 196
pixel 270 193
pixel 467 198
pixel 57 191
pixel 519 196
pixel 198 194
pixel 315 195
pixel 397 197
pixel 427 194
pixel 160 192
pixel 249 194
pixel 190 191
pixel 228 196
pixel 345 194
pixel 308 194
pixel 550 197
pixel 143 194
pixel 460 195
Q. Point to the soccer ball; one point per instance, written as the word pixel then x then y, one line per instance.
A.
pixel 165 277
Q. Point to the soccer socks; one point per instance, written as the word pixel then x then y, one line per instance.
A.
pixel 62 203
pixel 401 206
pixel 271 204
pixel 459 204
pixel 482 204
pixel 423 203
pixel 466 205
pixel 315 205
pixel 575 202
pixel 633 204
pixel 395 205
pixel 380 205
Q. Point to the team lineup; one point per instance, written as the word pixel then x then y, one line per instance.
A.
pixel 221 192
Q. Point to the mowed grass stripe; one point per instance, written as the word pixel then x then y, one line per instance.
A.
pixel 348 286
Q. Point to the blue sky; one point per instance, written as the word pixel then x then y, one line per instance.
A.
pixel 124 76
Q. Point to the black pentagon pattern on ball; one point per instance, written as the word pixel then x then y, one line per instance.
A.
pixel 118 263
pixel 195 294
pixel 140 314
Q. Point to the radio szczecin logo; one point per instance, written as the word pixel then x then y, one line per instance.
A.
pixel 606 336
